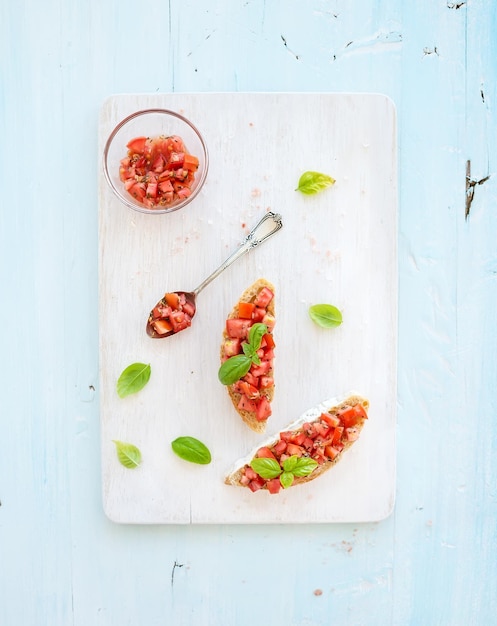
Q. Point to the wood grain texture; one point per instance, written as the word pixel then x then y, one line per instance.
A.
pixel 432 562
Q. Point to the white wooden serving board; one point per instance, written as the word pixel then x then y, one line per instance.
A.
pixel 337 247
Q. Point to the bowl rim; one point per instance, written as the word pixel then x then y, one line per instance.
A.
pixel 111 138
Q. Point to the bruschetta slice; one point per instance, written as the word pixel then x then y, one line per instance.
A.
pixel 252 392
pixel 310 446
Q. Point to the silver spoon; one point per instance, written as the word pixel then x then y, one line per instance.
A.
pixel 175 309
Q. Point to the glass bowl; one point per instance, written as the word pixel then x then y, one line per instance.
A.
pixel 154 123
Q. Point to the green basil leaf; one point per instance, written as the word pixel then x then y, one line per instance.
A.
pixel 256 358
pixel 191 449
pixel 248 350
pixel 304 466
pixel 128 454
pixel 290 463
pixel 133 378
pixel 286 479
pixel 325 315
pixel 234 368
pixel 313 182
pixel 266 468
pixel 256 333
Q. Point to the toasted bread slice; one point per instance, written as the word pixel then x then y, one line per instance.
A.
pixel 348 413
pixel 249 417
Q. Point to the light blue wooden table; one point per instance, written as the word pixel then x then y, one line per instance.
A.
pixel 434 560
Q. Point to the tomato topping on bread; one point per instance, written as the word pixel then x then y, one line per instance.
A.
pixel 305 449
pixel 254 315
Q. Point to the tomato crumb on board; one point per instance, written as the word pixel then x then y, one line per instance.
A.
pixel 158 172
pixel 323 440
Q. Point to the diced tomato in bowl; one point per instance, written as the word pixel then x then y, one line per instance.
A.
pixel 155 161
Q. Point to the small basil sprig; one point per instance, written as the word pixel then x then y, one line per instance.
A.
pixel 292 467
pixel 325 315
pixel 311 183
pixel 237 366
pixel 128 454
pixel 191 449
pixel 133 378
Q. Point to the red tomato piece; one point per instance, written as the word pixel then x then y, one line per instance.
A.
pixel 258 314
pixel 351 415
pixel 250 473
pixel 264 297
pixel 263 409
pixel 268 341
pixel 172 299
pixel 137 145
pixel 190 162
pixel 179 320
pixel 251 379
pixel 261 370
pixel 247 389
pixel 245 310
pixel 265 382
pixel 279 447
pixel 231 347
pixel 270 321
pixel 265 453
pixel 331 420
pixel 245 404
pixel 273 485
pixel 331 452
pixel 298 438
pixel 337 435
pixel 293 449
pixel 162 326
pixel 238 328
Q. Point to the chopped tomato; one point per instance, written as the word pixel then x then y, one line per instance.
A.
pixel 265 382
pixel 331 420
pixel 245 404
pixel 269 320
pixel 263 409
pixel 268 341
pixel 337 435
pixel 238 328
pixel 265 453
pixel 293 449
pixel 231 347
pixel 151 167
pixel 273 485
pixel 298 438
pixel 247 389
pixel 258 314
pixel 179 320
pixel 331 452
pixel 279 447
pixel 172 299
pixel 262 369
pixel 137 145
pixel 245 310
pixel 351 415
pixel 264 297
pixel 162 326
pixel 253 380
pixel 190 162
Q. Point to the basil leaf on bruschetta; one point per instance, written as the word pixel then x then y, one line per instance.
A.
pixel 234 368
